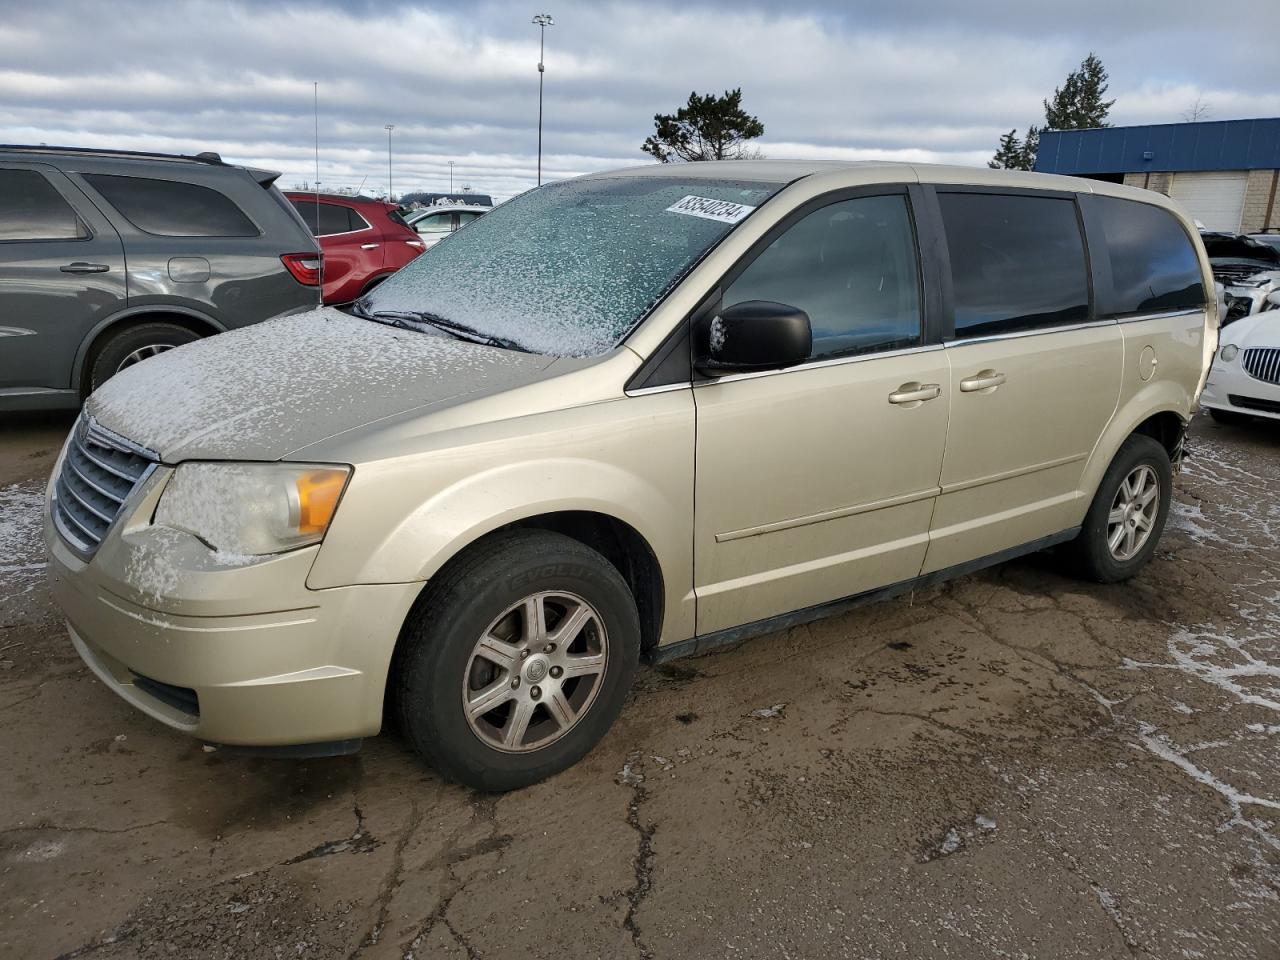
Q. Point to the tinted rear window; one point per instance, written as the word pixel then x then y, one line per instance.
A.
pixel 327 219
pixel 170 208
pixel 1154 267
pixel 31 209
pixel 1017 262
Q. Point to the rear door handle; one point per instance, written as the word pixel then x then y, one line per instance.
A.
pixel 913 394
pixel 368 246
pixel 81 267
pixel 986 380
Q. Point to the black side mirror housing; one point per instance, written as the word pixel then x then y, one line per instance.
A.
pixel 753 335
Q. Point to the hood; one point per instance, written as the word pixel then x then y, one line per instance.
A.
pixel 1256 330
pixel 263 391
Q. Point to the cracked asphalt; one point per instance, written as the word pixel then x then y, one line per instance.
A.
pixel 1012 765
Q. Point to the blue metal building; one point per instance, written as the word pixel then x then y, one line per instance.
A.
pixel 1224 171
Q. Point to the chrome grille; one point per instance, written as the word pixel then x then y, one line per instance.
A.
pixel 1263 363
pixel 99 471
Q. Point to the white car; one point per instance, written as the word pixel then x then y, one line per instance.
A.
pixel 434 223
pixel 1245 379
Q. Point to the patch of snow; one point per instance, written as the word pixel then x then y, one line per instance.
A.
pixel 717 335
pixel 629 776
pixel 768 713
pixel 22 560
pixel 264 390
pixel 984 823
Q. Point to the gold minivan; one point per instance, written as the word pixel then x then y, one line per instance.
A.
pixel 628 416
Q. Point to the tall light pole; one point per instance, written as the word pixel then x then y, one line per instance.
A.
pixel 389 127
pixel 451 176
pixel 542 20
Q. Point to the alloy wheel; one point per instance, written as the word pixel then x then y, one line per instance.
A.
pixel 534 673
pixel 1133 513
pixel 143 353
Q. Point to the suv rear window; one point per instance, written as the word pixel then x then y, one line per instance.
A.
pixel 1154 267
pixel 31 209
pixel 1017 262
pixel 171 208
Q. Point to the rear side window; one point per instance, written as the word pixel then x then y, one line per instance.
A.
pixel 326 219
pixel 31 209
pixel 170 208
pixel 435 223
pixel 852 267
pixel 1017 262
pixel 1154 267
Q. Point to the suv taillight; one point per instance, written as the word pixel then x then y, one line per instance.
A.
pixel 305 267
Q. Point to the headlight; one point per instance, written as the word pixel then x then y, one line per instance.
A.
pixel 1229 352
pixel 252 508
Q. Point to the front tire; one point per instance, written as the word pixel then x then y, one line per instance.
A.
pixel 1127 516
pixel 516 660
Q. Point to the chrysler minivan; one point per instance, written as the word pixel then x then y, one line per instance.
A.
pixel 629 416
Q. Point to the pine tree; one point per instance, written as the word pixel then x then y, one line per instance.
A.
pixel 1008 154
pixel 706 128
pixel 1076 105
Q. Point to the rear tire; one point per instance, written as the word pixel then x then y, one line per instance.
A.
pixel 498 696
pixel 132 345
pixel 1229 417
pixel 1127 516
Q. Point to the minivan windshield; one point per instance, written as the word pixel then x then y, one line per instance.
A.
pixel 569 268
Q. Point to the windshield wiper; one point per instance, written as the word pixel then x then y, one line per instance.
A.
pixel 406 320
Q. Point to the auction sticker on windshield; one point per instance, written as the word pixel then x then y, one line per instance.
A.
pixel 723 210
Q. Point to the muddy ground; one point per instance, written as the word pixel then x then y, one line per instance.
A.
pixel 1013 765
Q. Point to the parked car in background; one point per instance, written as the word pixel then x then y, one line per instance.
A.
pixel 640 413
pixel 433 224
pixel 364 240
pixel 110 257
pixel 1245 379
pixel 1248 269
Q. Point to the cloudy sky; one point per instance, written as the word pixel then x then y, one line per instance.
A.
pixel 931 80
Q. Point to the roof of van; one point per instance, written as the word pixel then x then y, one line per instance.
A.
pixel 788 171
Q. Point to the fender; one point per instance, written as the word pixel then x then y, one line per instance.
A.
pixel 82 352
pixel 1159 396
pixel 419 541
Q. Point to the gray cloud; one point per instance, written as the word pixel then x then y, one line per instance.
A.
pixel 925 80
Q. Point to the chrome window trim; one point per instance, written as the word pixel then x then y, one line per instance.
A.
pixel 1066 328
pixel 1164 315
pixel 817 364
pixel 661 388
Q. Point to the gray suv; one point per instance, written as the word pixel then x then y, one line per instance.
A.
pixel 108 257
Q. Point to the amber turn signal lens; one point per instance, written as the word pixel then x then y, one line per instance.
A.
pixel 318 493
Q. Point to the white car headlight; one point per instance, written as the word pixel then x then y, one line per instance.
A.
pixel 1229 352
pixel 253 508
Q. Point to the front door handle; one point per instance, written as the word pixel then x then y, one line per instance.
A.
pixel 81 267
pixel 368 246
pixel 913 394
pixel 983 382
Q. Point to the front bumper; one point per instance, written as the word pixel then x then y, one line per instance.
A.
pixel 243 655
pixel 1230 388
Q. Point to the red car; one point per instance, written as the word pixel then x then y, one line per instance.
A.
pixel 364 241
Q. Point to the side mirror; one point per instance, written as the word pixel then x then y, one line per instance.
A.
pixel 753 335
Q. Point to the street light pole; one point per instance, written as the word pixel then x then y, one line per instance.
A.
pixel 451 176
pixel 389 127
pixel 542 20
